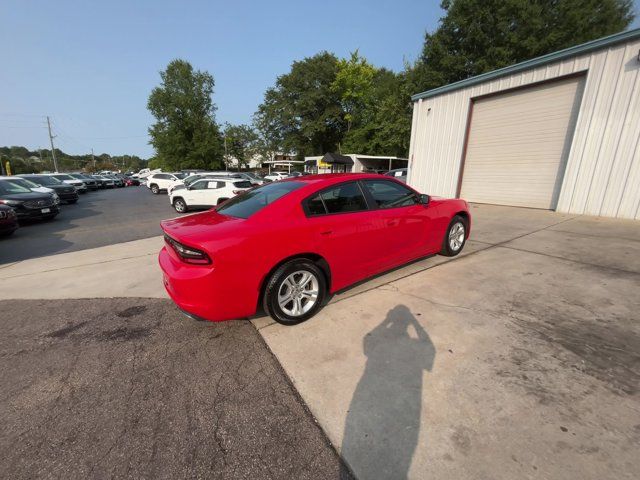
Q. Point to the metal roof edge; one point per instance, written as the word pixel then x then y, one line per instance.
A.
pixel 534 62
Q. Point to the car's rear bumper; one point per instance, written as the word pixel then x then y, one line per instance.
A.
pixel 203 292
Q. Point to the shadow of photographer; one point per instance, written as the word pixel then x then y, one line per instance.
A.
pixel 383 422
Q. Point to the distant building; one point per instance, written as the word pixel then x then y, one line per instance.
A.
pixel 352 162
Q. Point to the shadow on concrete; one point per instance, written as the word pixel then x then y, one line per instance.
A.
pixel 383 422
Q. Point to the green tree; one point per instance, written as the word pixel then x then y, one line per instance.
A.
pixel 304 109
pixel 185 134
pixel 241 143
pixel 477 36
pixel 354 84
pixel 383 123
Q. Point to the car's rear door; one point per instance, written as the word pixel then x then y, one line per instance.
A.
pixel 408 230
pixel 343 224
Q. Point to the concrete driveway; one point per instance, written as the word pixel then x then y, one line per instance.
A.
pixel 518 359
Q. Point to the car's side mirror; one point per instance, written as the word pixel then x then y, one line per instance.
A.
pixel 425 199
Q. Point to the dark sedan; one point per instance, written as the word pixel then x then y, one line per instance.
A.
pixel 8 221
pixel 28 205
pixel 90 182
pixel 67 193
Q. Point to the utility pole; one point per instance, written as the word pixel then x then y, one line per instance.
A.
pixel 226 158
pixel 53 150
pixel 93 159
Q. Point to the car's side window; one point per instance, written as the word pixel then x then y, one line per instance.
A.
pixel 343 198
pixel 315 206
pixel 201 185
pixel 388 194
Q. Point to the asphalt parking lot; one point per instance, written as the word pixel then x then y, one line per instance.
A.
pixel 130 389
pixel 102 217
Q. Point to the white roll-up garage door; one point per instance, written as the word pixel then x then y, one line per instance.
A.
pixel 518 144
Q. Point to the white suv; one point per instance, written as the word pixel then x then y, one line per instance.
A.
pixel 207 193
pixel 162 181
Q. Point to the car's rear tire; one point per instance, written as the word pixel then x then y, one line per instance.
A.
pixel 295 292
pixel 72 201
pixel 154 189
pixel 455 237
pixel 180 205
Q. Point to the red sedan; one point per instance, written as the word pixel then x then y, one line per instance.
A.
pixel 287 245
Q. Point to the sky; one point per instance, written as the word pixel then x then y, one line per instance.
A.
pixel 90 66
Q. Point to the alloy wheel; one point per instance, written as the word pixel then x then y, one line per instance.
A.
pixel 298 293
pixel 456 236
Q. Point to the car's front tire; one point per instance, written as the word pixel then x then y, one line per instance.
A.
pixel 295 292
pixel 180 205
pixel 155 189
pixel 455 237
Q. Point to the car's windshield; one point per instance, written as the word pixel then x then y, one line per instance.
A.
pixel 253 176
pixel 64 177
pixel 8 188
pixel 191 178
pixel 253 201
pixel 180 175
pixel 45 180
pixel 23 182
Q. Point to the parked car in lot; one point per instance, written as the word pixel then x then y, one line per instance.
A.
pixel 275 176
pixel 34 187
pixel 105 182
pixel 67 193
pixel 8 221
pixel 145 172
pixel 159 182
pixel 90 182
pixel 130 181
pixel 398 174
pixel 254 178
pixel 287 245
pixel 69 180
pixel 206 193
pixel 117 181
pixel 27 205
pixel 189 179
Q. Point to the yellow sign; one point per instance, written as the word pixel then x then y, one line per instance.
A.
pixel 8 168
pixel 323 165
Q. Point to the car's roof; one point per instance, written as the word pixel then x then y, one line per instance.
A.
pixel 330 178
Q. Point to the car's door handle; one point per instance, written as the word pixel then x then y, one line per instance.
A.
pixel 326 232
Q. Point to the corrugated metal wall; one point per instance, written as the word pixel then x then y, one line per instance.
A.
pixel 602 176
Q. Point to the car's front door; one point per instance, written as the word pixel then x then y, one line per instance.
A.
pixel 343 225
pixel 407 230
pixel 197 194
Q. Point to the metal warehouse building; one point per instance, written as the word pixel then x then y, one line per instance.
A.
pixel 558 132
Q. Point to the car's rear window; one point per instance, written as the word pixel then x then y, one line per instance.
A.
pixel 242 184
pixel 253 201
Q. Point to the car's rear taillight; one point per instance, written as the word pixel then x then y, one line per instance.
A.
pixel 188 254
pixel 236 192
